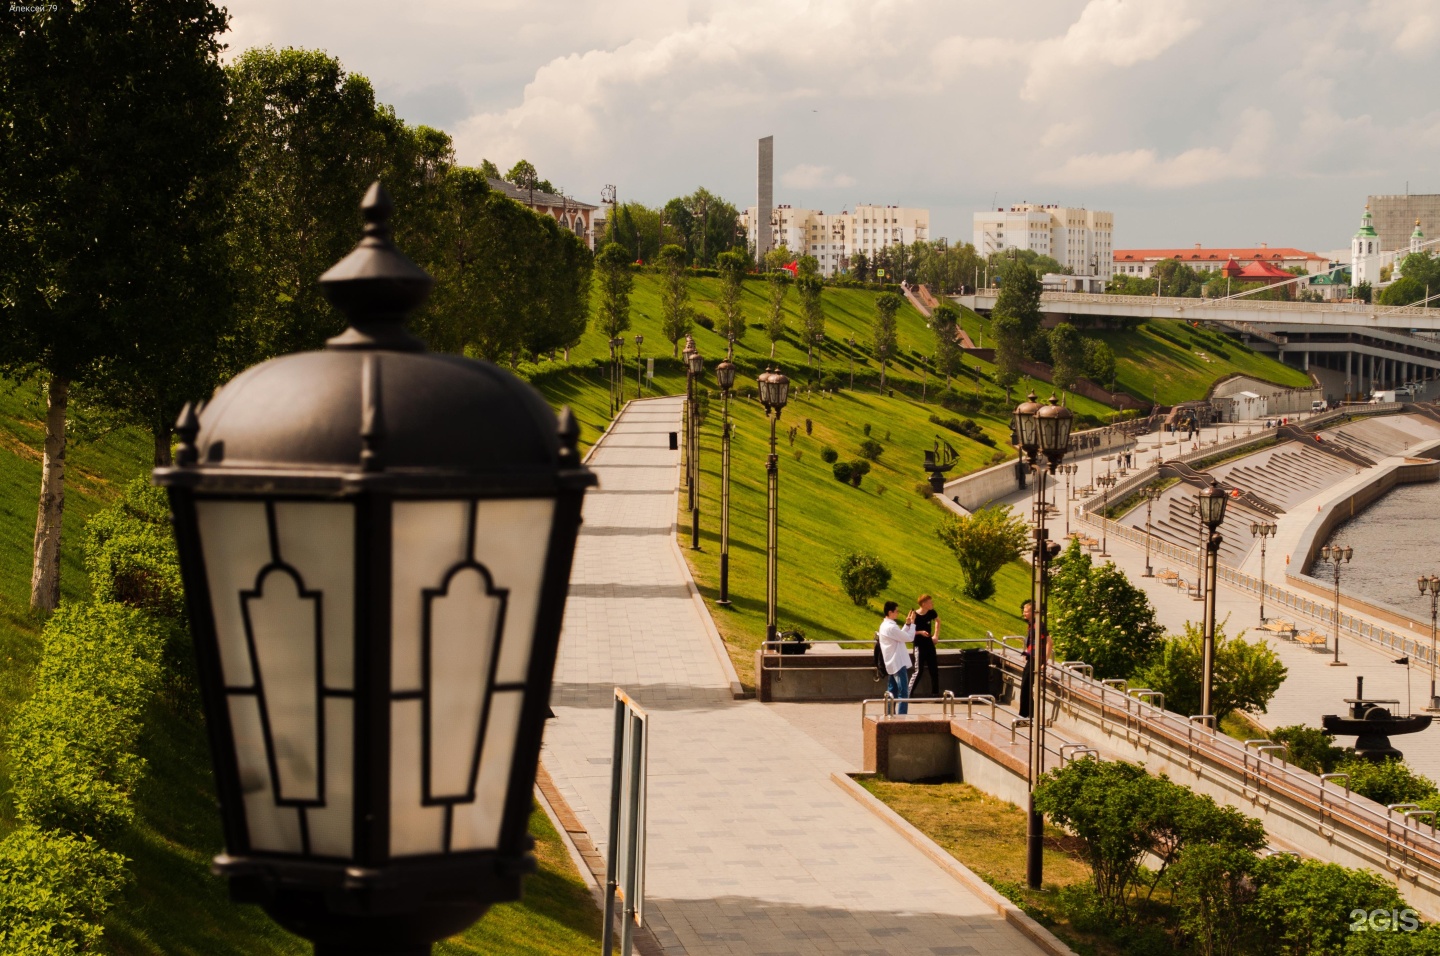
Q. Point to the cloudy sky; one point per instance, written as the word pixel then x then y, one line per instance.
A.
pixel 1227 123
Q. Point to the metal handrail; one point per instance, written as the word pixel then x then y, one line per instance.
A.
pixel 1358 814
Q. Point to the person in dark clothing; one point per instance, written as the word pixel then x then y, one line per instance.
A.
pixel 927 632
pixel 1027 676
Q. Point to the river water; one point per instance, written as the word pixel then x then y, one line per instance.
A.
pixel 1396 540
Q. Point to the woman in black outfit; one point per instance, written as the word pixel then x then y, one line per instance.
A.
pixel 927 632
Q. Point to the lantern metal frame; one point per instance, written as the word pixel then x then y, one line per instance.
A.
pixel 725 378
pixel 774 388
pixel 318 428
pixel 1210 505
pixel 1337 554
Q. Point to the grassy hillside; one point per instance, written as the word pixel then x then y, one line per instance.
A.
pixel 820 519
pixel 1153 368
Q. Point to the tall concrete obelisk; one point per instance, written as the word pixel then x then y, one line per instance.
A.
pixel 766 198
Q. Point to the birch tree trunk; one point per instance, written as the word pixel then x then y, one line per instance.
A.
pixel 45 575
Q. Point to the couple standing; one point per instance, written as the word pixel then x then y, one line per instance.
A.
pixel 922 626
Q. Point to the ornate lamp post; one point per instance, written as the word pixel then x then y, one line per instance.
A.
pixel 687 455
pixel 616 400
pixel 696 369
pixel 1210 505
pixel 774 391
pixel 1151 494
pixel 1264 530
pixel 375 596
pixel 1106 482
pixel 725 376
pixel 1337 555
pixel 1039 430
pixel 1431 586
pixel 1069 472
pixel 639 340
pixel 851 342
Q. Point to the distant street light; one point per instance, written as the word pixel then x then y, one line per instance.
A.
pixel 1337 555
pixel 1431 586
pixel 1264 530
pixel 774 392
pixel 1151 494
pixel 696 368
pixel 639 340
pixel 1106 482
pixel 725 377
pixel 1210 504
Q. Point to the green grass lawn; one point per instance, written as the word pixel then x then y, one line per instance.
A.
pixel 820 519
pixel 988 836
pixel 1154 369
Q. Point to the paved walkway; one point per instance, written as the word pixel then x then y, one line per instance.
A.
pixel 752 848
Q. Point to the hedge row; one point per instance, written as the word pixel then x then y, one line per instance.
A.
pixel 73 743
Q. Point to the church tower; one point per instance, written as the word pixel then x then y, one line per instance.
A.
pixel 1365 252
pixel 1417 240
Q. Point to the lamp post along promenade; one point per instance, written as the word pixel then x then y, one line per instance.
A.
pixel 725 376
pixel 1151 494
pixel 639 380
pixel 1264 530
pixel 774 391
pixel 1431 586
pixel 696 370
pixel 1337 555
pixel 1039 430
pixel 688 454
pixel 1210 506
pixel 1106 482
pixel 376 544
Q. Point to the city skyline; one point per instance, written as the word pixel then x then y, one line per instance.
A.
pixel 1273 128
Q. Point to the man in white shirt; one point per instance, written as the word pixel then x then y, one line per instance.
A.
pixel 893 638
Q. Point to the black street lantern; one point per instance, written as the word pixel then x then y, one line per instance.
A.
pixel 1052 426
pixel 1210 506
pixel 774 389
pixel 376 545
pixel 1022 422
pixel 725 377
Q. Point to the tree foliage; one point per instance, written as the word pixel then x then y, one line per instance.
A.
pixel 1097 616
pixel 862 576
pixel 1099 362
pixel 675 313
pixel 812 311
pixel 616 278
pixel 983 543
pixel 949 356
pixel 732 265
pixel 1246 675
pixel 883 329
pixel 777 286
pixel 1067 355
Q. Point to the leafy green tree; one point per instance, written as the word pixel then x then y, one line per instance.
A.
pixel 1097 616
pixel 675 314
pixel 983 543
pixel 949 356
pixel 732 265
pixel 1246 676
pixel 1067 356
pixel 1388 781
pixel 1303 906
pixel 1363 291
pixel 616 277
pixel 1212 889
pixel 111 268
pixel 860 266
pixel 810 288
pixel 862 575
pixel 1009 349
pixel 1099 362
pixel 489 170
pixel 883 327
pixel 524 176
pixel 777 284
pixel 1311 749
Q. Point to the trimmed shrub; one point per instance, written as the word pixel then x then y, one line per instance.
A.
pixel 862 576
pixel 130 553
pixel 54 889
pixel 829 455
pixel 871 450
pixel 858 470
pixel 841 470
pixel 72 743
pixel 866 430
pixel 922 488
pixel 705 322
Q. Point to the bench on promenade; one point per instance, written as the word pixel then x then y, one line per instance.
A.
pixel 1313 640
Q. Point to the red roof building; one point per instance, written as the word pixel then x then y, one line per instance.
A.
pixel 1140 262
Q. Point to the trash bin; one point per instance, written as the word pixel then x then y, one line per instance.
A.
pixel 674 441
pixel 974 672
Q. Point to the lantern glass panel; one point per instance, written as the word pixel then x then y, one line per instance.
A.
pixel 281 579
pixel 780 386
pixel 465 596
pixel 1212 506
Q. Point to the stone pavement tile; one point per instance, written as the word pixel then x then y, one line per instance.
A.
pixel 749 848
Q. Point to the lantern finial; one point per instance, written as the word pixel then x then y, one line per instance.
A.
pixel 375 285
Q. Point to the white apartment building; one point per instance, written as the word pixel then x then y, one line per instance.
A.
pixel 1076 237
pixel 832 239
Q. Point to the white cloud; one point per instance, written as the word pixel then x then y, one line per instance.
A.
pixel 807 176
pixel 1244 159
pixel 1108 33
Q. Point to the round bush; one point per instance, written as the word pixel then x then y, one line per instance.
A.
pixel 858 470
pixel 829 455
pixel 705 322
pixel 841 470
pixel 863 576
pixel 870 449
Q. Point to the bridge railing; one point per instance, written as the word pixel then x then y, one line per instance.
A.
pixel 1185 303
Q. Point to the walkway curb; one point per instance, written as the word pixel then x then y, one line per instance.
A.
pixel 961 873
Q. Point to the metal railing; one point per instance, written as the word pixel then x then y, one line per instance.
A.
pixel 1364 826
pixel 948 706
pixel 774 656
